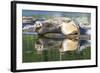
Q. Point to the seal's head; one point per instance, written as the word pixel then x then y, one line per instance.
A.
pixel 37 25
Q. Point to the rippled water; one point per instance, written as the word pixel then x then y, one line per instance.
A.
pixel 42 49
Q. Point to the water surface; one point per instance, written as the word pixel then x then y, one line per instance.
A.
pixel 42 49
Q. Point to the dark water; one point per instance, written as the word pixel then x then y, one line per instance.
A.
pixel 42 49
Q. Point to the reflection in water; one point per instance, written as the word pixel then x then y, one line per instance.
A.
pixel 49 49
pixel 69 45
pixel 62 45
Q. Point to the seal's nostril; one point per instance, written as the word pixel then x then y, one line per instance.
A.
pixel 68 21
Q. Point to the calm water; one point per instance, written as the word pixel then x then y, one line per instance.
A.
pixel 42 49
